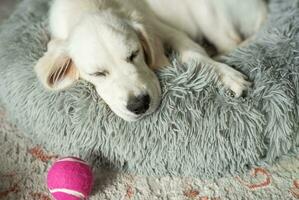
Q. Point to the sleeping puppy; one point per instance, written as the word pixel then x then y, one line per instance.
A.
pixel 116 44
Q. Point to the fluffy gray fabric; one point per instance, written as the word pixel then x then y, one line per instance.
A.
pixel 198 130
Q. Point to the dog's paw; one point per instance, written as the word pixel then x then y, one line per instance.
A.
pixel 232 79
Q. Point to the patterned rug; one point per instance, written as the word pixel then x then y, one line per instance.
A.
pixel 23 169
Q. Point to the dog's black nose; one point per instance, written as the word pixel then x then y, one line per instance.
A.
pixel 139 105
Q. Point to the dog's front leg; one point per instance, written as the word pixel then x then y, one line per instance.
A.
pixel 189 50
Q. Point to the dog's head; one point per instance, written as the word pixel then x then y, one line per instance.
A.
pixel 116 55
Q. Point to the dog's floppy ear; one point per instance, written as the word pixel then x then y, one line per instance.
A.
pixel 152 46
pixel 55 69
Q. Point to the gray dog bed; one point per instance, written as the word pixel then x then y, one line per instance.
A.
pixel 198 130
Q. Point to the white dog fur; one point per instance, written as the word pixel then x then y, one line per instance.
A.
pixel 115 44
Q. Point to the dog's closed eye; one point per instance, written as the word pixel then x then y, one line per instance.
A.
pixel 132 57
pixel 103 73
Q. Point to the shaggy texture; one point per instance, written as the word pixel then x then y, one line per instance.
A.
pixel 24 166
pixel 198 130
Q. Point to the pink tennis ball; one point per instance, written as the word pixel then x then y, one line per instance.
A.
pixel 70 179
